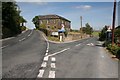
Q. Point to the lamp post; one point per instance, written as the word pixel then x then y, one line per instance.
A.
pixel 113 23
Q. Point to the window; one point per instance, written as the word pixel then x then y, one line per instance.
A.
pixel 48 26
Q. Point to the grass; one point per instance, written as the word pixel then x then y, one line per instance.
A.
pixel 53 38
pixel 95 33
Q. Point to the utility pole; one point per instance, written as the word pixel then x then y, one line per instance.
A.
pixel 81 25
pixel 113 23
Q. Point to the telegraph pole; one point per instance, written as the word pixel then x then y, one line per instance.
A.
pixel 113 23
pixel 81 25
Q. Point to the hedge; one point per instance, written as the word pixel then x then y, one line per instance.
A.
pixel 114 49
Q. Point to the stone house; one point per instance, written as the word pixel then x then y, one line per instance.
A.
pixel 53 22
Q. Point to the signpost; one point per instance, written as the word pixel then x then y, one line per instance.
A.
pixel 61 33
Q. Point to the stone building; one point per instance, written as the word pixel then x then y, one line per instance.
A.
pixel 54 22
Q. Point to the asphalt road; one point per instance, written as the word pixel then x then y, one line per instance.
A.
pixel 23 55
pixel 81 59
pixel 34 57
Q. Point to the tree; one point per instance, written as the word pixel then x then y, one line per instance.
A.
pixel 89 29
pixel 102 34
pixel 83 29
pixel 10 19
pixel 22 20
pixel 117 34
pixel 35 20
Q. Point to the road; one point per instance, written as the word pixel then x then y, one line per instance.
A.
pixel 34 57
pixel 23 55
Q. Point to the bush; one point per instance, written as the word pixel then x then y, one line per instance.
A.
pixel 106 43
pixel 23 28
pixel 114 49
pixel 47 33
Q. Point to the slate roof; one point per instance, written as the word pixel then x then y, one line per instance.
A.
pixel 52 17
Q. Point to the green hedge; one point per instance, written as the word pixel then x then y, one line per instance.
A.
pixel 45 31
pixel 114 49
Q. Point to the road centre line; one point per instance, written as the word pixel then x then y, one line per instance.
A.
pixel 51 74
pixel 53 59
pixel 44 64
pixel 46 54
pixel 30 33
pixel 41 72
pixel 47 51
pixel 53 65
pixel 58 52
pixel 46 58
pixel 22 39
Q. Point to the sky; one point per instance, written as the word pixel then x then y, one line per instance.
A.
pixel 97 14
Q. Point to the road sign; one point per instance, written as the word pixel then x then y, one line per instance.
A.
pixel 55 33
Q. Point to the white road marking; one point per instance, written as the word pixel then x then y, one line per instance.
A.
pixel 77 44
pixel 59 52
pixel 51 74
pixel 46 54
pixel 90 44
pixel 53 65
pixel 47 51
pixel 41 72
pixel 30 33
pixel 53 59
pixel 4 46
pixel 48 45
pixel 7 39
pixel 46 58
pixel 44 37
pixel 44 64
pixel 22 39
pixel 103 56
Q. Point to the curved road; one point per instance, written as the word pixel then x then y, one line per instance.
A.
pixel 30 55
pixel 23 55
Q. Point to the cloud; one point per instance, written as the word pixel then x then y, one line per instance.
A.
pixel 83 7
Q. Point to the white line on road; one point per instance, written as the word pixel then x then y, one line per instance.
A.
pixel 30 33
pixel 48 45
pixel 44 64
pixel 47 51
pixel 22 39
pixel 41 72
pixel 46 54
pixel 78 45
pixel 59 52
pixel 53 59
pixel 46 58
pixel 103 56
pixel 53 65
pixel 7 39
pixel 51 74
pixel 4 46
pixel 44 37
